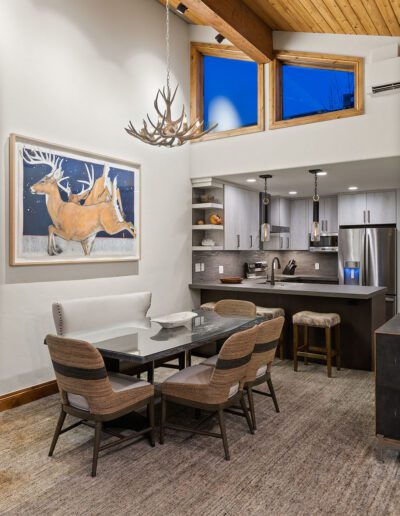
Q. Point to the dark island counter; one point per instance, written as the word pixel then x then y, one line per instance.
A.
pixel 362 310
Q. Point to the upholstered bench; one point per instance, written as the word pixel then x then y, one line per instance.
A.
pixel 262 311
pixel 326 321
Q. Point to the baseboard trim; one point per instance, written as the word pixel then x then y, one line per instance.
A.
pixel 23 396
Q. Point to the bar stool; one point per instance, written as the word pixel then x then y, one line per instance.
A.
pixel 308 320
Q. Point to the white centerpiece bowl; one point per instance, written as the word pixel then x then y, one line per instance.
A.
pixel 174 320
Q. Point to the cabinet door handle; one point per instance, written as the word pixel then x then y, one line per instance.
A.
pixel 369 216
pixel 326 225
pixel 238 241
pixel 364 217
pixel 288 242
pixel 280 242
pixel 251 240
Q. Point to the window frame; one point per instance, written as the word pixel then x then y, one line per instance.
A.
pixel 197 51
pixel 313 60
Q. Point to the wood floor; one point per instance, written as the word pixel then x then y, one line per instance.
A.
pixel 315 457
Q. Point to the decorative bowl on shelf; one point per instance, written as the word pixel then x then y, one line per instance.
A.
pixel 207 242
pixel 174 320
pixel 231 279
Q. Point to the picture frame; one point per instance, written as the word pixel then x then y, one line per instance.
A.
pixel 70 206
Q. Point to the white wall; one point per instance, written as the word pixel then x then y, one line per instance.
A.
pixel 373 135
pixel 74 72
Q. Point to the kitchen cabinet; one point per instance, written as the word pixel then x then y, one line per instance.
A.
pixel 299 225
pixel 328 214
pixel 381 207
pixel 241 224
pixel 367 208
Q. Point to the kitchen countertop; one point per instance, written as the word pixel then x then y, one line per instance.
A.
pixel 296 289
pixel 391 327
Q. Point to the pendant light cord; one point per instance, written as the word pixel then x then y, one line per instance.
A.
pixel 167 43
pixel 316 196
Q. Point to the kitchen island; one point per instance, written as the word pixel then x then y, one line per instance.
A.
pixel 362 310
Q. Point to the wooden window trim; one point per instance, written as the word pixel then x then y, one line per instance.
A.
pixel 312 60
pixel 198 50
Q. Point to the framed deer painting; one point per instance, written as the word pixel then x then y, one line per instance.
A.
pixel 71 206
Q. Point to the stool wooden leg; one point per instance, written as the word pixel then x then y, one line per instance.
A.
pixel 328 344
pixel 295 345
pixel 281 347
pixel 305 341
pixel 337 347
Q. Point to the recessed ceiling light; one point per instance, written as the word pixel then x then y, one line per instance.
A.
pixel 322 173
pixel 292 192
pixel 251 180
pixel 353 188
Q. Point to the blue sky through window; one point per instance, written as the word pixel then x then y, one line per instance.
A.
pixel 230 93
pixel 308 91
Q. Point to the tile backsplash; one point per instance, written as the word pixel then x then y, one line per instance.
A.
pixel 233 262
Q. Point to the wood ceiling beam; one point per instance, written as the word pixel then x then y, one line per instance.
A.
pixel 238 23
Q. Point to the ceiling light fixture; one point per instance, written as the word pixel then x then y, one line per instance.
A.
pixel 315 228
pixel 181 8
pixel 219 38
pixel 167 132
pixel 292 192
pixel 251 180
pixel 265 226
pixel 353 188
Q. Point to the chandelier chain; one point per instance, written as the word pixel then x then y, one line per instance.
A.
pixel 167 39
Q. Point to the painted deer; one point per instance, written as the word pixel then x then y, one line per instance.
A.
pixel 96 191
pixel 73 221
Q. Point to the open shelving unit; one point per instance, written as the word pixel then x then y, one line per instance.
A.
pixel 207 198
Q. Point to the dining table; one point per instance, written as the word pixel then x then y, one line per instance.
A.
pixel 144 342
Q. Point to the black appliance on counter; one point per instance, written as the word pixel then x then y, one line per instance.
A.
pixel 290 268
pixel 255 269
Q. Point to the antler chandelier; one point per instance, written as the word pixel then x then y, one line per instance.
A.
pixel 167 132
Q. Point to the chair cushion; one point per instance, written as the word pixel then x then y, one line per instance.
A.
pixel 212 361
pixel 316 319
pixel 261 371
pixel 119 383
pixel 197 375
pixel 270 313
pixel 208 306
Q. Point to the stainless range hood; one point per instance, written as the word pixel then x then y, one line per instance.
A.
pixel 271 213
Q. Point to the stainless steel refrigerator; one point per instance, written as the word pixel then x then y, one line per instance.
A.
pixel 367 256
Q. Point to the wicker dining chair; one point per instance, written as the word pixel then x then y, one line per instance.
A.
pixel 89 393
pixel 212 389
pixel 236 307
pixel 259 368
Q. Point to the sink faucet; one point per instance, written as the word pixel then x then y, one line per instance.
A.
pixel 278 263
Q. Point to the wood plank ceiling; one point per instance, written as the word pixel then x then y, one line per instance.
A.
pixel 370 17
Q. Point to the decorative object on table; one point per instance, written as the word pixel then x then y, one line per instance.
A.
pixel 231 279
pixel 315 228
pixel 200 222
pixel 167 132
pixel 174 320
pixel 215 219
pixel 71 206
pixel 265 232
pixel 207 242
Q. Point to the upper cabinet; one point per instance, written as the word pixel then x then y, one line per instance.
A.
pixel 367 208
pixel 299 225
pixel 328 214
pixel 241 223
pixel 279 212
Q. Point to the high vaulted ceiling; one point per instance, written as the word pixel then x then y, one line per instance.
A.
pixel 253 20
